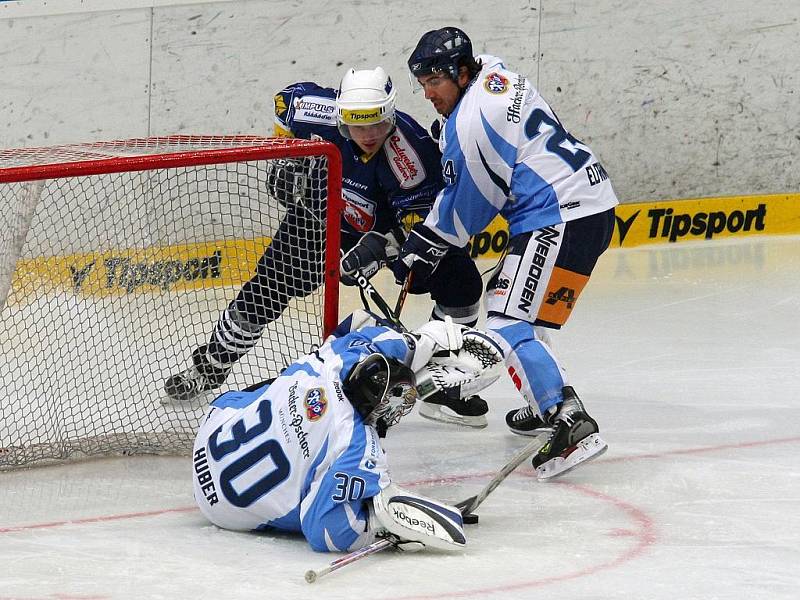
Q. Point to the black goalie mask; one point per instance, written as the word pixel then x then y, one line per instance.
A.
pixel 382 390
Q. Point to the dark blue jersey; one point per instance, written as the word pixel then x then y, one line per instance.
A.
pixel 394 186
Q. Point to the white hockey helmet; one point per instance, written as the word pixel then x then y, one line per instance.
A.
pixel 365 97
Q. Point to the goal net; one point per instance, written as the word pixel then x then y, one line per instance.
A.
pixel 116 261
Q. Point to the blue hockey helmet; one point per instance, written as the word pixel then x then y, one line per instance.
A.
pixel 440 51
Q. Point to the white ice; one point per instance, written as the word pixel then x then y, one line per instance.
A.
pixel 687 356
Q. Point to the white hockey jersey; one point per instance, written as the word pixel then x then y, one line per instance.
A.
pixel 505 151
pixel 295 455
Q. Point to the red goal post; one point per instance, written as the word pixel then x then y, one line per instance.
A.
pixel 116 260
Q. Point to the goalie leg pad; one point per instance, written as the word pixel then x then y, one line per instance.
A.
pixel 462 371
pixel 481 348
pixel 473 387
pixel 411 517
pixel 442 375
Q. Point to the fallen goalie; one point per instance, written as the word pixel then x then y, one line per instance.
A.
pixel 302 452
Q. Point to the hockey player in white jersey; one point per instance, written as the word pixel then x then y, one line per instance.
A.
pixel 302 452
pixel 506 152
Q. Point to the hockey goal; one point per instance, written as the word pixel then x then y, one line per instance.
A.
pixel 116 260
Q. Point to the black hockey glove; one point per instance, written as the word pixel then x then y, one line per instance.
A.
pixel 420 255
pixel 288 180
pixel 372 252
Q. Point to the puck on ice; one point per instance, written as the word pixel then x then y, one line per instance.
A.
pixel 470 519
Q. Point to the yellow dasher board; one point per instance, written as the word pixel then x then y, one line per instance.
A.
pixel 671 221
pixel 232 262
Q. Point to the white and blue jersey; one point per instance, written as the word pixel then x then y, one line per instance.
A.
pixel 295 455
pixel 505 152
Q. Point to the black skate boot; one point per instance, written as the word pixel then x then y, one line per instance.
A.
pixel 574 439
pixel 525 421
pixel 200 377
pixel 447 406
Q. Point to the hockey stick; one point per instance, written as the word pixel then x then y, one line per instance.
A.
pixel 365 287
pixel 465 506
pixel 313 574
pixel 469 505
pixel 401 297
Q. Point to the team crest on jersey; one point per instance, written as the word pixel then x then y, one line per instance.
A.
pixel 495 83
pixel 404 161
pixel 358 211
pixel 315 404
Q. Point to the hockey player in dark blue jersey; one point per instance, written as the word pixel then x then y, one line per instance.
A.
pixel 391 175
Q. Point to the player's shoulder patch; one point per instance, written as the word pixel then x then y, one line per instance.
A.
pixel 315 403
pixel 281 106
pixel 404 160
pixel 315 109
pixel 495 83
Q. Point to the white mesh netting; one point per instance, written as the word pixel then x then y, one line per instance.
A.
pixel 109 280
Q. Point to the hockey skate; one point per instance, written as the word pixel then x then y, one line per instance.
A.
pixel 447 406
pixel 573 440
pixel 525 421
pixel 187 386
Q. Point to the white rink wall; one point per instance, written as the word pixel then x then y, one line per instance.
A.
pixel 679 98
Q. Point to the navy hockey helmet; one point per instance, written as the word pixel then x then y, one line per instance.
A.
pixel 440 51
pixel 381 389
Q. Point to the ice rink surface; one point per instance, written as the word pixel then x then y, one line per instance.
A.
pixel 686 355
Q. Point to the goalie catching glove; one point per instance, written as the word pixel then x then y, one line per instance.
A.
pixel 372 252
pixel 472 362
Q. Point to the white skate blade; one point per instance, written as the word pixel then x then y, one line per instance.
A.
pixel 588 448
pixel 443 414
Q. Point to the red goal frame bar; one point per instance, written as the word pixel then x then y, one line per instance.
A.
pixel 118 156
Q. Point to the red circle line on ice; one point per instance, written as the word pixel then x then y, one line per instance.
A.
pixel 643 532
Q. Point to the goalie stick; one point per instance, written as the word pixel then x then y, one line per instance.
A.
pixel 312 575
pixel 465 506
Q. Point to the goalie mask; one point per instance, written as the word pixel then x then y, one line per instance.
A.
pixel 382 390
pixel 365 99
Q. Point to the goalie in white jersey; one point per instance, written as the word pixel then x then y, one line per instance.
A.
pixel 302 452
pixel 505 152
